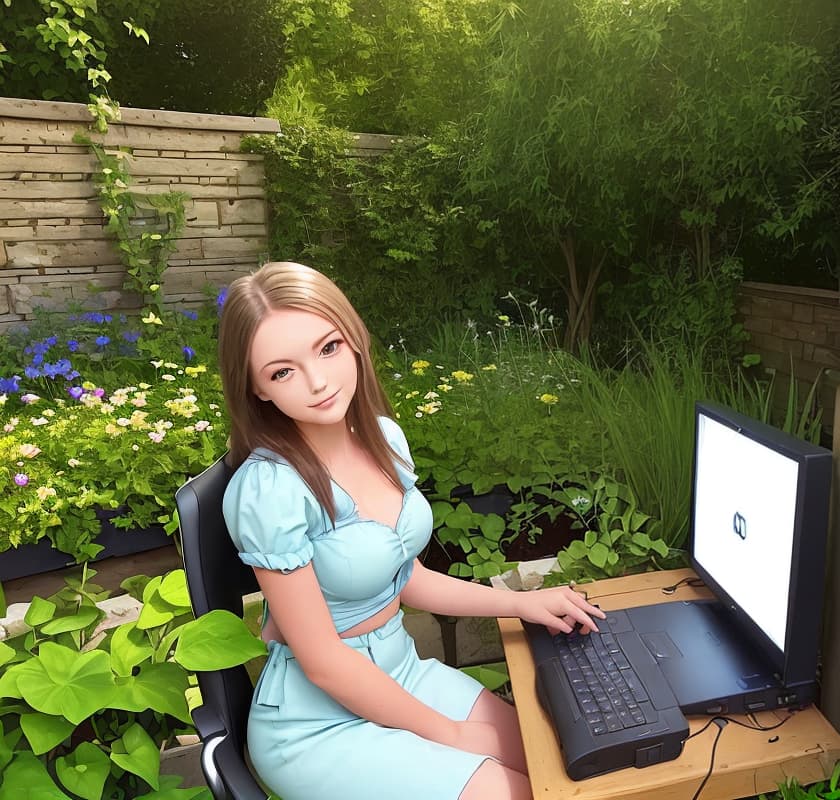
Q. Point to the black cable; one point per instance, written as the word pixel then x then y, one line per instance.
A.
pixel 697 582
pixel 721 722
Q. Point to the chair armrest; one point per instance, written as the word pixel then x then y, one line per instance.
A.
pixel 227 775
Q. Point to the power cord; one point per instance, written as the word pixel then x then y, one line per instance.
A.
pixel 696 582
pixel 721 723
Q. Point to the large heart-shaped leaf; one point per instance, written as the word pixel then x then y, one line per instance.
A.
pixel 26 778
pixel 135 752
pixel 160 687
pixel 44 731
pixel 65 682
pixel 173 589
pixel 129 647
pixel 217 640
pixel 84 771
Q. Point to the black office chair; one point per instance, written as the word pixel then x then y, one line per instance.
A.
pixel 216 578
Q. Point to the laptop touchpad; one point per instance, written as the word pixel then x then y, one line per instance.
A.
pixel 661 645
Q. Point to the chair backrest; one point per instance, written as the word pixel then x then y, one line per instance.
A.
pixel 216 579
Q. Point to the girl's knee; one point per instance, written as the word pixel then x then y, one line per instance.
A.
pixel 493 781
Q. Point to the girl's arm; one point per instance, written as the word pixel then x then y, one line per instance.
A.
pixel 301 614
pixel 428 590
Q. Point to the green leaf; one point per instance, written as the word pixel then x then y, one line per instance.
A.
pixel 217 640
pixel 86 615
pixel 136 753
pixel 44 731
pixel 491 676
pixel 493 527
pixel 26 778
pixel 84 771
pixel 160 687
pixel 173 589
pixel 598 555
pixel 39 612
pixel 6 653
pixel 129 647
pixel 64 682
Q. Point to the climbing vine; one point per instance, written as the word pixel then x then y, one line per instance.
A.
pixel 146 226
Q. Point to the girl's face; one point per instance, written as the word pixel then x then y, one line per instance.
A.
pixel 302 363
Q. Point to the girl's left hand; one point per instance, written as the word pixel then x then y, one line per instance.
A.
pixel 559 609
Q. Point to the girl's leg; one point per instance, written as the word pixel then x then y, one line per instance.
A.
pixel 492 781
pixel 502 716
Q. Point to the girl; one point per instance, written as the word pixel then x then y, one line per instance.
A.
pixel 324 507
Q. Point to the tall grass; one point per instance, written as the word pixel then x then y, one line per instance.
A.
pixel 645 411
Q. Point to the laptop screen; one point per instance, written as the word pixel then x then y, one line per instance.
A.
pixel 744 519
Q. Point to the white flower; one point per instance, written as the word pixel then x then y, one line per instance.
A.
pixel 203 425
pixel 167 377
pixel 157 436
pixel 44 492
pixel 39 420
pixel 73 462
pixel 29 398
pixel 29 450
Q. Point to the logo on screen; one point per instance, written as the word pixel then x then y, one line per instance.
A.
pixel 739 525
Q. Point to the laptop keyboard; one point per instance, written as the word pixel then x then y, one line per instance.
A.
pixel 610 695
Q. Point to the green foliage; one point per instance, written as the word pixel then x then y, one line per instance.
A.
pixel 211 56
pixel 82 449
pixel 609 127
pixel 617 537
pixel 395 214
pixel 492 676
pixel 86 712
pixel 381 66
pixel 147 226
pixel 57 49
pixel 791 789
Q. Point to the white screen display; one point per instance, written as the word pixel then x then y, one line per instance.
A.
pixel 744 510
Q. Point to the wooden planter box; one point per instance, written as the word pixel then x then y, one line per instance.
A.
pixel 33 559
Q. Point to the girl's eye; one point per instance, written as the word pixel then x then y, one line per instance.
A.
pixel 280 374
pixel 330 347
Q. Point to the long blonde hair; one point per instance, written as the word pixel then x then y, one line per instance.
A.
pixel 257 423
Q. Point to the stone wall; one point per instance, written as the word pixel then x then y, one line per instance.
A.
pixel 791 325
pixel 54 250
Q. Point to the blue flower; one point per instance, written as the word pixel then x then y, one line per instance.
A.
pixel 188 352
pixel 193 315
pixel 221 297
pixel 131 336
pixel 38 359
pixel 107 317
pixel 32 372
pixel 51 371
pixel 75 392
pixel 10 385
pixel 72 345
pixel 51 340
pixel 101 341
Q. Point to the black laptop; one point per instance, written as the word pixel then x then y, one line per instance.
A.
pixel 759 519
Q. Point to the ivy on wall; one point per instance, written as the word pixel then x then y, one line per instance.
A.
pixel 146 226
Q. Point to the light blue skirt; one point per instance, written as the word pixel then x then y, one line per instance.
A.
pixel 306 746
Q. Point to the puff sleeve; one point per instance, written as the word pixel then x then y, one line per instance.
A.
pixel 271 513
pixel 396 439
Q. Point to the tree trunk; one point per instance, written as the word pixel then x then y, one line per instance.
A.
pixel 581 300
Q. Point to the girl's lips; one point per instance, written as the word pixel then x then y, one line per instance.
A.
pixel 325 401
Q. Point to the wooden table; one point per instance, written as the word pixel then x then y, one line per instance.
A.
pixel 747 762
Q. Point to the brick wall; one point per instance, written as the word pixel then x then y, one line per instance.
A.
pixel 53 247
pixel 790 324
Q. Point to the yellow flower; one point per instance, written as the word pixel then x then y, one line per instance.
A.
pixel 152 319
pixel 490 368
pixel 419 367
pixel 428 408
pixel 44 492
pixel 444 387
pixel 196 370
pixel 154 287
pixel 462 377
pixel 548 399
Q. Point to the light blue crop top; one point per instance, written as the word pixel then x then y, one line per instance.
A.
pixel 276 523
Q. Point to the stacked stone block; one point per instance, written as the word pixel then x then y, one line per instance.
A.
pixel 54 250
